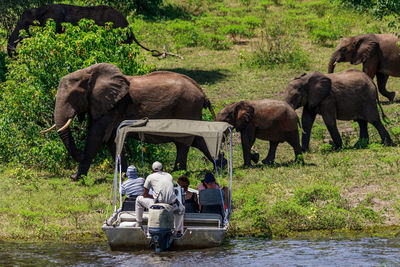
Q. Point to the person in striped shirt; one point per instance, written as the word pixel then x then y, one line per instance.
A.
pixel 133 186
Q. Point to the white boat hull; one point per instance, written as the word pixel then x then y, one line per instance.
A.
pixel 200 234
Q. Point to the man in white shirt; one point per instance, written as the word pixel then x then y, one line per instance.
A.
pixel 163 192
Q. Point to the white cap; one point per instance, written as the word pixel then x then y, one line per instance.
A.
pixel 157 166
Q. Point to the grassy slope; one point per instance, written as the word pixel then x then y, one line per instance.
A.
pixel 351 189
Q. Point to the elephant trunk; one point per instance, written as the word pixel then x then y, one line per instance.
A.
pixel 66 135
pixel 332 62
pixel 14 39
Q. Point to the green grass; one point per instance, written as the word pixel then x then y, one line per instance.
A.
pixel 351 189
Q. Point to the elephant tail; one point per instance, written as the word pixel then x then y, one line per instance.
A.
pixel 154 53
pixel 207 104
pixel 384 117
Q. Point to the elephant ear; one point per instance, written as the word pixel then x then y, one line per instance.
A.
pixel 319 87
pixel 365 47
pixel 107 85
pixel 243 114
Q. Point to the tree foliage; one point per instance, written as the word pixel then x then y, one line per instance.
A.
pixel 28 97
pixel 146 7
pixel 10 11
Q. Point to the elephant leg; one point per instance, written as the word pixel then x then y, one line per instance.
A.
pixel 371 67
pixel 182 151
pixel 112 147
pixel 247 137
pixel 271 153
pixel 293 139
pixel 200 144
pixel 364 138
pixel 94 141
pixel 307 121
pixel 386 140
pixel 330 123
pixel 382 80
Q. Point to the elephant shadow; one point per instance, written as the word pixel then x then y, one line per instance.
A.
pixel 277 165
pixel 387 102
pixel 201 76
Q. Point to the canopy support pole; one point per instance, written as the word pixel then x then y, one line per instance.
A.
pixel 230 173
pixel 115 186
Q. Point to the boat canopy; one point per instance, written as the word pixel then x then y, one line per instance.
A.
pixel 212 132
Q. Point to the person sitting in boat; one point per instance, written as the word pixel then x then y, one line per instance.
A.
pixel 132 188
pixel 163 192
pixel 191 201
pixel 209 183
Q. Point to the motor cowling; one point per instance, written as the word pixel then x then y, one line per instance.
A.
pixel 161 226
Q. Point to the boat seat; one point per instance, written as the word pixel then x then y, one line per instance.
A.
pixel 212 201
pixel 129 216
pixel 203 219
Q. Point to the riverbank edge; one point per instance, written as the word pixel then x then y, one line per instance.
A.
pixel 392 231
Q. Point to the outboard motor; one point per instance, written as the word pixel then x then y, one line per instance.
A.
pixel 161 226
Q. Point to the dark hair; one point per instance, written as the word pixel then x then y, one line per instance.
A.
pixel 185 180
pixel 209 178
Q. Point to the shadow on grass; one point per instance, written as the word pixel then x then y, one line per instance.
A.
pixel 166 12
pixel 277 165
pixel 387 102
pixel 201 76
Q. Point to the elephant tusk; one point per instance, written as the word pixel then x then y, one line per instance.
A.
pixel 334 63
pixel 48 130
pixel 65 126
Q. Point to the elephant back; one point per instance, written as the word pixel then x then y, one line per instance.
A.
pixel 163 95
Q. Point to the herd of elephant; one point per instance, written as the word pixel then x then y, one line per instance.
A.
pixel 109 97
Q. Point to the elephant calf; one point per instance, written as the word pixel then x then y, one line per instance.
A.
pixel 265 119
pixel 347 95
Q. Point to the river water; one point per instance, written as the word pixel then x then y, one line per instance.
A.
pixel 235 252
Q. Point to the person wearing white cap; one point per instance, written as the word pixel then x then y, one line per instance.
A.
pixel 163 192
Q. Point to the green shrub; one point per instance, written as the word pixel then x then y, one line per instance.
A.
pixel 3 68
pixel 236 31
pixel 29 91
pixel 326 29
pixel 319 206
pixel 379 8
pixel 276 48
pixel 146 7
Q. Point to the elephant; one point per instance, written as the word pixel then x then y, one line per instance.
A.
pixel 68 13
pixel 379 54
pixel 266 119
pixel 346 95
pixel 109 97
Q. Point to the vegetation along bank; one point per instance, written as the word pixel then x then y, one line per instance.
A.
pixel 236 50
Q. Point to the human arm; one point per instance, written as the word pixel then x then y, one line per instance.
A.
pixel 146 193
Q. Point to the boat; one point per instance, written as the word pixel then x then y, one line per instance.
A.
pixel 201 230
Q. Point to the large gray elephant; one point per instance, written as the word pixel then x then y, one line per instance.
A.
pixel 265 119
pixel 347 95
pixel 109 97
pixel 68 13
pixel 379 54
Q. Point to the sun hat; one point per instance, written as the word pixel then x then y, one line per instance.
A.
pixel 157 166
pixel 131 172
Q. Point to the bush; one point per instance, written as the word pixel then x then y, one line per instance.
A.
pixel 326 29
pixel 145 7
pixel 3 68
pixel 379 8
pixel 319 206
pixel 31 84
pixel 276 48
pixel 10 11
